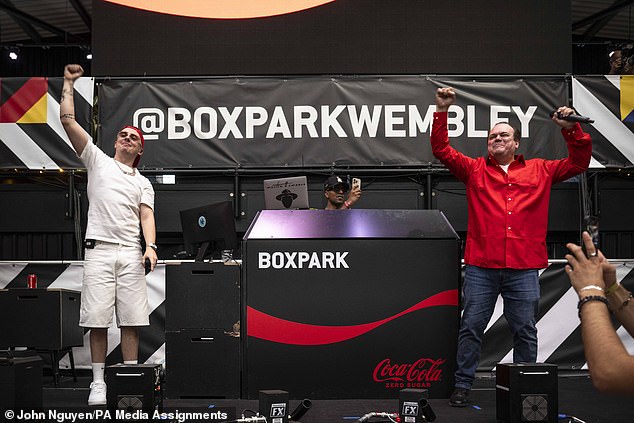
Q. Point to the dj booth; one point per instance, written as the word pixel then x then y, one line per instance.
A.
pixel 349 304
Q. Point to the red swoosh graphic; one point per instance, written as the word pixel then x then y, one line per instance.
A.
pixel 270 328
pixel 222 9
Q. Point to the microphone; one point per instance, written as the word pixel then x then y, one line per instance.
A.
pixel 572 118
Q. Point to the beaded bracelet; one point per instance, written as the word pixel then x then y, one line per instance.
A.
pixel 589 298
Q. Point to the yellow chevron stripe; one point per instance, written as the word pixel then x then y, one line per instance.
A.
pixel 627 95
pixel 37 113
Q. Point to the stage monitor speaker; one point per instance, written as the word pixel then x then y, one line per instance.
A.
pixel 202 363
pixel 133 387
pixel 46 318
pixel 273 405
pixel 526 393
pixel 20 383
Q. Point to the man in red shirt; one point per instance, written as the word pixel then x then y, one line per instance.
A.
pixel 507 199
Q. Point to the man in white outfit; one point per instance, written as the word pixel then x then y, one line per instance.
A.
pixel 121 204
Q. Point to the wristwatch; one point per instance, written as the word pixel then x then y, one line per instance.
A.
pixel 153 246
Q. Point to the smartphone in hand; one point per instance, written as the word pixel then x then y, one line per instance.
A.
pixel 356 183
pixel 148 266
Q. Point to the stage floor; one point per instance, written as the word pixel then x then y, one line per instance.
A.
pixel 577 397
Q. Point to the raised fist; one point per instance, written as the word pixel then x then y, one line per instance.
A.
pixel 73 72
pixel 444 98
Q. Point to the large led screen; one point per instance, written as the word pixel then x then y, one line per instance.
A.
pixel 261 37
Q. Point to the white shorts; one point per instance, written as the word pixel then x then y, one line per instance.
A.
pixel 114 280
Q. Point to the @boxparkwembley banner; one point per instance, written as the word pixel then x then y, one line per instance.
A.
pixel 323 121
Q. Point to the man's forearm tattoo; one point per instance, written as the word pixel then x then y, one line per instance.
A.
pixel 65 92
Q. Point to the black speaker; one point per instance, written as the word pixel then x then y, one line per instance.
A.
pixel 273 405
pixel 134 387
pixel 42 318
pixel 202 295
pixel 202 363
pixel 526 393
pixel 21 383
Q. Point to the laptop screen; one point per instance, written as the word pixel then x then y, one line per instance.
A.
pixel 286 193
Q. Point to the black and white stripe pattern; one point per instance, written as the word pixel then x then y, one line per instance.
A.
pixel 558 325
pixel 68 275
pixel 559 333
pixel 612 140
pixel 46 146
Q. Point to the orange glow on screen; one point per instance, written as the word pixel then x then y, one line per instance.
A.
pixel 222 9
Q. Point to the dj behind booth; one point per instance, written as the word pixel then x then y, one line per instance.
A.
pixel 327 305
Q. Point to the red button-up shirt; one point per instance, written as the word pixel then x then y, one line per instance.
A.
pixel 508 212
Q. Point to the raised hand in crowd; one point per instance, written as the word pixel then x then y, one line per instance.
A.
pixel 594 279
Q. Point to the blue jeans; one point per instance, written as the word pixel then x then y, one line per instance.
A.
pixel 520 292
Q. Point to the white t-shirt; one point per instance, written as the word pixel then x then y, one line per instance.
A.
pixel 114 198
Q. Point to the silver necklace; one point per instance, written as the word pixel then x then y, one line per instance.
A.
pixel 125 171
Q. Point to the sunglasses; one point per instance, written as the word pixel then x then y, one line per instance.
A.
pixel 338 187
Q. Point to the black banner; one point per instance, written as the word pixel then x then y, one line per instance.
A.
pixel 322 121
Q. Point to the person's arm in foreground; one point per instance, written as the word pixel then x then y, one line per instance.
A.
pixel 611 366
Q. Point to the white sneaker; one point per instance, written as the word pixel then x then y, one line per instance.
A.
pixel 97 393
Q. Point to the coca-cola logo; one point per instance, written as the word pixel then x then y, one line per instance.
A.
pixel 419 374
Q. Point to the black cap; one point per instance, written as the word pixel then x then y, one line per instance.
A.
pixel 333 181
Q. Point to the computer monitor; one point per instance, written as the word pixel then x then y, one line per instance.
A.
pixel 210 228
pixel 286 193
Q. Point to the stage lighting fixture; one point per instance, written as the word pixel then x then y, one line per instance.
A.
pixel 13 53
pixel 89 55
pixel 301 409
pixel 426 410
